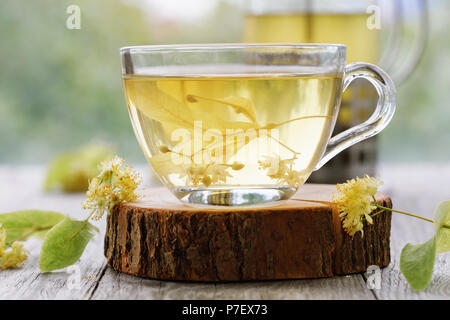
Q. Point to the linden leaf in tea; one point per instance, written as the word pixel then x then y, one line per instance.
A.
pixel 160 106
pixel 164 165
pixel 64 244
pixel 240 105
pixel 22 224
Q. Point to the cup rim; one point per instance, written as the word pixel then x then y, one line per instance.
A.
pixel 215 46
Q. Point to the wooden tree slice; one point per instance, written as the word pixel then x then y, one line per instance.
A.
pixel 161 238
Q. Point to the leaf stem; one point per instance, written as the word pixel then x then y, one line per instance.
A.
pixel 279 124
pixel 376 213
pixel 90 215
pixel 237 108
pixel 314 201
pixel 83 223
pixel 29 232
pixel 284 145
pixel 28 228
pixel 402 212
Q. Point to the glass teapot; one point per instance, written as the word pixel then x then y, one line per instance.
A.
pixel 373 31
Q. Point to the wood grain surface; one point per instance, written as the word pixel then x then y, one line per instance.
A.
pixel 417 188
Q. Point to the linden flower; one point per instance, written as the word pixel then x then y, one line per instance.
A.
pixel 218 173
pixel 294 178
pixel 194 174
pixel 281 170
pixel 206 174
pixel 113 185
pixel 13 257
pixel 354 202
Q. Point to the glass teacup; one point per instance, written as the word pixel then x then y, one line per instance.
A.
pixel 244 124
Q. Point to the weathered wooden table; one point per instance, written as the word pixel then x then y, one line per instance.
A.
pixel 414 188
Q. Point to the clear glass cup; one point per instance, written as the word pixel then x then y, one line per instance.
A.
pixel 244 124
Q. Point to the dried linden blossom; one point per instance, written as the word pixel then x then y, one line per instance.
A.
pixel 13 257
pixel 354 202
pixel 205 174
pixel 116 183
pixel 281 170
pixel 210 173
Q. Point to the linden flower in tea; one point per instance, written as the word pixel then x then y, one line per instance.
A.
pixel 205 174
pixel 210 173
pixel 282 170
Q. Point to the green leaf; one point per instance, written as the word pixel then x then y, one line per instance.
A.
pixel 442 225
pixel 20 225
pixel 40 234
pixel 71 171
pixel 417 262
pixel 64 244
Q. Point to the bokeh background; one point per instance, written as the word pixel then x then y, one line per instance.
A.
pixel 61 88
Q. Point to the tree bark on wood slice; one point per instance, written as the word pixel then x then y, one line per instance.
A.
pixel 160 238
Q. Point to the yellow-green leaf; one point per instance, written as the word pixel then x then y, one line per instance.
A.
pixel 20 225
pixel 163 164
pixel 239 105
pixel 242 105
pixel 159 106
pixel 417 262
pixel 162 107
pixel 64 244
pixel 71 170
pixel 442 225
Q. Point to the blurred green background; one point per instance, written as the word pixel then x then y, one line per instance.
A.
pixel 62 88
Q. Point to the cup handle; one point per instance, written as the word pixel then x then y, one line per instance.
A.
pixel 378 120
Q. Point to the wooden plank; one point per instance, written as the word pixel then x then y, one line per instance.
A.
pixel 393 284
pixel 22 189
pixel 417 189
pixel 30 283
pixel 116 285
pixel 336 288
